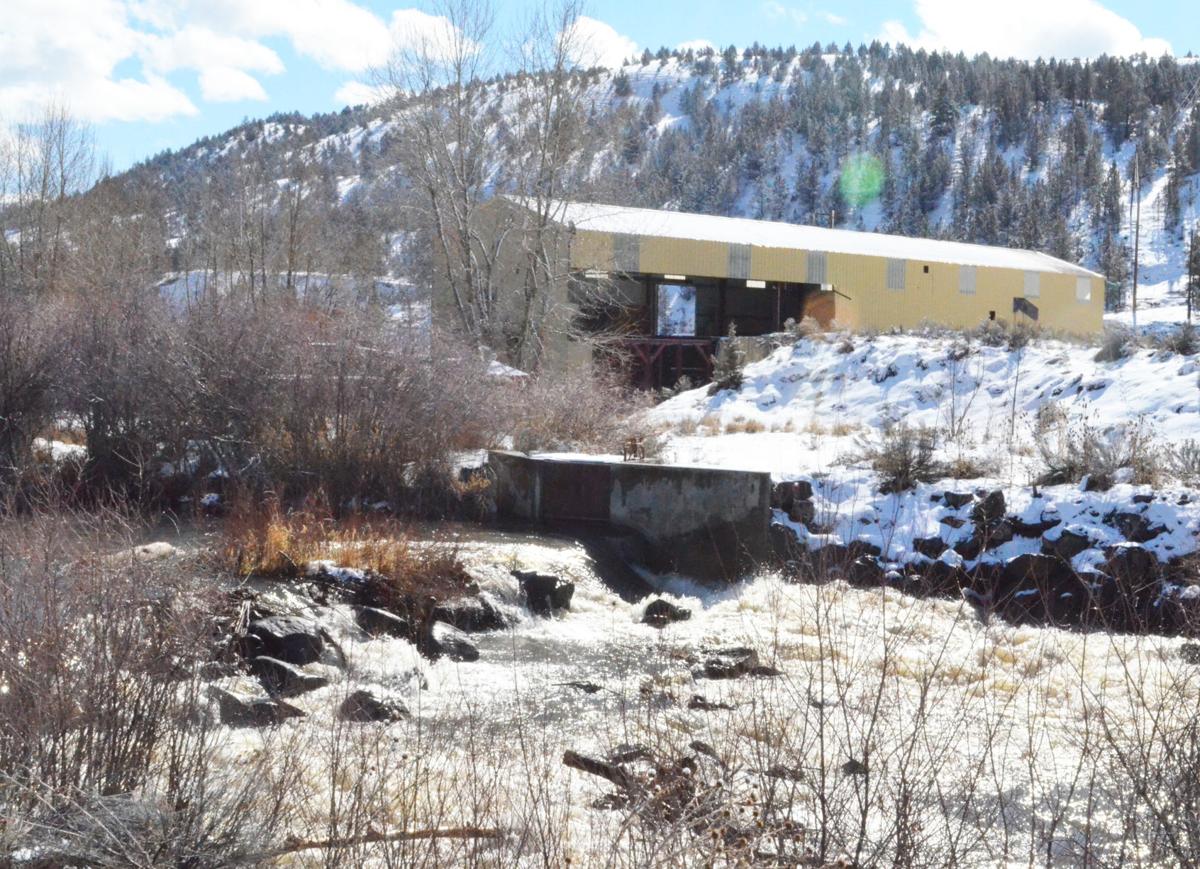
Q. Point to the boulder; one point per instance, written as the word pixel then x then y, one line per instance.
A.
pixel 659 613
pixel 1033 530
pixel 286 638
pixel 544 594
pixel 365 707
pixel 930 547
pixel 732 663
pixel 785 494
pixel 1134 527
pixel 1036 570
pixel 1190 652
pixel 252 711
pixel 803 512
pixel 1131 565
pixel 471 614
pixel 957 500
pixel 703 704
pixel 1066 545
pixel 281 679
pixel 381 623
pixel 998 534
pixel 990 510
pixel 449 642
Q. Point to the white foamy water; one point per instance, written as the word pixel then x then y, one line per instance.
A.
pixel 986 744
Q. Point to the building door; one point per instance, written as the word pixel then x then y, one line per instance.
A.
pixel 575 491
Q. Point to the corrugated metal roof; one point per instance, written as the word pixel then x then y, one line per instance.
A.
pixel 619 219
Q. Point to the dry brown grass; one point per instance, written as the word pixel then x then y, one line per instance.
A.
pixel 745 426
pixel 271 543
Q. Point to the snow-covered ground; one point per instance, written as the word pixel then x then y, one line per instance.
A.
pixel 811 410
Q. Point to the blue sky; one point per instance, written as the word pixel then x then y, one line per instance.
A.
pixel 155 74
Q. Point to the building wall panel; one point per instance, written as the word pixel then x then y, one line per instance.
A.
pixel 670 256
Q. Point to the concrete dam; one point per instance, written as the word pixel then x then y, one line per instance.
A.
pixel 708 523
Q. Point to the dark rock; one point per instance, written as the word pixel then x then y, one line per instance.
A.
pixel 789 773
pixel 864 570
pixel 785 494
pixel 280 678
pixel 1143 499
pixel 854 767
pixel 998 534
pixel 728 663
pixel 381 623
pixel 1190 652
pixel 448 641
pixel 952 521
pixel 286 638
pixel 1021 528
pixel 365 707
pixel 544 594
pixel 660 613
pixel 252 711
pixel 585 687
pixel 970 548
pixel 803 512
pixel 930 547
pixel 990 510
pixel 699 702
pixel 1097 483
pixel 1066 545
pixel 956 500
pixel 471 614
pixel 1134 527
pixel 1132 565
pixel 1038 569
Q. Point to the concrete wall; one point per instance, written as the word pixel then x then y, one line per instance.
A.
pixel 706 523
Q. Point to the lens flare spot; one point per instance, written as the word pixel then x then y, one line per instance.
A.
pixel 862 179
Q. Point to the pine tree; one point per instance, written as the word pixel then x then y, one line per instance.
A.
pixel 727 365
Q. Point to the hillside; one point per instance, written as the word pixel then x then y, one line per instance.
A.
pixel 1085 463
pixel 1037 155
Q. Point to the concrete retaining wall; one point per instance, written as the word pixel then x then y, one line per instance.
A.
pixel 707 523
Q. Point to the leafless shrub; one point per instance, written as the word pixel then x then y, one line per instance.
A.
pixel 579 409
pixel 1183 340
pixel 1183 461
pixel 1071 450
pixel 106 756
pixel 902 455
pixel 1117 344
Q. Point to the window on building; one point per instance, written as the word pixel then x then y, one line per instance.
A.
pixel 896 269
pixel 1083 289
pixel 966 280
pixel 1033 285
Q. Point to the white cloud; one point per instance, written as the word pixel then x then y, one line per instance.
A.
pixel 357 93
pixel 834 19
pixel 595 43
pixel 201 48
pixel 776 11
pixel 696 45
pixel 67 52
pixel 1025 29
pixel 224 84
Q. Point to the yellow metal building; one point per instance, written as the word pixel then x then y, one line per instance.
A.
pixel 858 280
pixel 670 283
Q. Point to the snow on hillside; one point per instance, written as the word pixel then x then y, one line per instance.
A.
pixel 809 411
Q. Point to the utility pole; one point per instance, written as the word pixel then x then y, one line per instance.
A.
pixel 1193 282
pixel 1136 219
